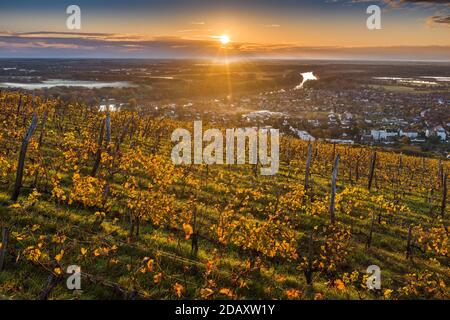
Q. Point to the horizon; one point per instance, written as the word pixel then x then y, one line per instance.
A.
pixel 213 60
pixel 297 30
pixel 232 153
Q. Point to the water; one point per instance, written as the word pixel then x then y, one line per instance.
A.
pixel 66 83
pixel 409 80
pixel 306 77
pixel 442 79
pixel 416 79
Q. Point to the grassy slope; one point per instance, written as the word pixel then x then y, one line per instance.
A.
pixel 24 280
pixel 117 274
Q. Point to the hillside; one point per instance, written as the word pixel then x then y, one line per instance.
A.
pixel 100 191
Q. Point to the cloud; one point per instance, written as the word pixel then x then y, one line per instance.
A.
pixel 399 3
pixel 194 30
pixel 37 33
pixel 423 1
pixel 439 20
pixel 116 45
pixel 103 45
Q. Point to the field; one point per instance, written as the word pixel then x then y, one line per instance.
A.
pixel 100 191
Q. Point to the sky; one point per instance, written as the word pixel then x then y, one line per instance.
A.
pixel 287 29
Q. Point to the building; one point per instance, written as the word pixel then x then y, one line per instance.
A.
pixel 411 134
pixel 341 141
pixel 383 134
pixel 302 135
pixel 441 133
pixel 108 105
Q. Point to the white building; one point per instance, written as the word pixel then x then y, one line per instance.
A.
pixel 108 105
pixel 411 134
pixel 441 133
pixel 303 135
pixel 341 141
pixel 262 114
pixel 383 134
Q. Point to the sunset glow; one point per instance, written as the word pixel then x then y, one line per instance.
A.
pixel 224 39
pixel 226 156
pixel 287 29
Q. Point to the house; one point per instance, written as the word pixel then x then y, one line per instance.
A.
pixel 302 135
pixel 441 133
pixel 383 134
pixel 411 134
pixel 314 122
pixel 108 105
pixel 341 141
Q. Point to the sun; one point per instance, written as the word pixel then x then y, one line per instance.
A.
pixel 224 39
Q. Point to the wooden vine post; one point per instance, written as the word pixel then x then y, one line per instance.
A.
pixel 40 142
pixel 309 271
pixel 194 236
pixel 308 166
pixel 372 223
pixel 98 155
pixel 444 193
pixel 372 169
pixel 4 245
pixel 333 188
pixel 408 243
pixel 108 131
pixel 22 155
pixel 108 149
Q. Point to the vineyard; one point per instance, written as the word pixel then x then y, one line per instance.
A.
pixel 99 190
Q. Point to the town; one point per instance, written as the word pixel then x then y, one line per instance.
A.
pixel 396 106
